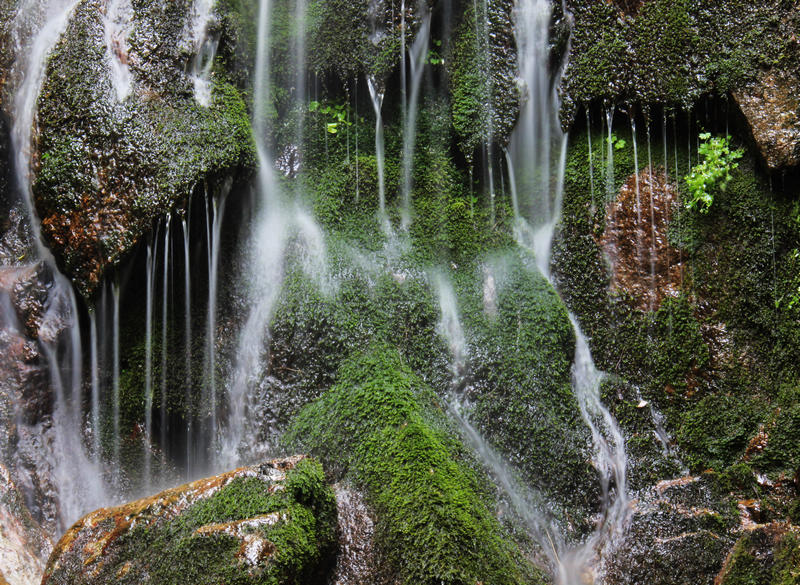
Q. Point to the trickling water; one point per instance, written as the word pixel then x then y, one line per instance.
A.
pixel 450 324
pixel 148 364
pixel 652 223
pixel 639 251
pixel 213 232
pixel 115 374
pixel 164 306
pixel 187 337
pixel 377 103
pixel 95 385
pixel 205 49
pixel 419 53
pixel 37 27
pixel 117 22
pixel 535 136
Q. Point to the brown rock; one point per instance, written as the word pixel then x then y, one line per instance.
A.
pixel 770 105
pixel 635 240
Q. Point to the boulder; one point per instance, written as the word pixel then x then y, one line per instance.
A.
pixel 124 134
pixel 770 104
pixel 270 523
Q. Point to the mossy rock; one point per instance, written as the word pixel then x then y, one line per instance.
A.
pixel 382 426
pixel 269 524
pixel 768 555
pixel 107 168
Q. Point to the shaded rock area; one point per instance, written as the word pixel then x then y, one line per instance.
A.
pixel 770 104
pixel 124 136
pixel 636 241
pixel 268 524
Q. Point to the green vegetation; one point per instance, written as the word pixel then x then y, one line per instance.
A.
pixel 194 544
pixel 381 425
pixel 713 172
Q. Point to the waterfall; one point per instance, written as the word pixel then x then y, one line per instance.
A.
pixel 115 375
pixel 164 306
pixel 116 27
pixel 150 274
pixel 95 384
pixel 539 208
pixel 78 480
pixel 205 49
pixel 419 53
pixel 377 102
pixel 188 410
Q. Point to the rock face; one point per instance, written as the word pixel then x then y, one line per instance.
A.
pixel 127 129
pixel 268 524
pixel 643 263
pixel 23 544
pixel 771 104
pixel 680 532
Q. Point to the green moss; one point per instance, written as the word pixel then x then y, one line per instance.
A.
pixel 150 151
pixel 672 52
pixel 380 424
pixel 764 557
pixel 171 549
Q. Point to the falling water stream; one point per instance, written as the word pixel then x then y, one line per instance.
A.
pixel 79 480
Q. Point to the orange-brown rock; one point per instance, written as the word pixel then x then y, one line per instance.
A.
pixel 271 523
pixel 635 240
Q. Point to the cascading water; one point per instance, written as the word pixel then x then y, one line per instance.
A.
pixel 116 27
pixel 276 225
pixel 419 53
pixel 79 481
pixel 205 48
pixel 538 132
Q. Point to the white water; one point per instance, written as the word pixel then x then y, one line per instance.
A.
pixel 164 307
pixel 205 49
pixel 115 374
pixel 419 53
pixel 187 337
pixel 275 227
pixel 538 198
pixel 95 385
pixel 377 103
pixel 150 273
pixel 117 22
pixel 37 27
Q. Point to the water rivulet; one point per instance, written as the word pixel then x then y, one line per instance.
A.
pixel 314 291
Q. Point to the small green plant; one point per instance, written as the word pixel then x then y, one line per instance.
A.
pixel 616 142
pixel 434 58
pixel 336 115
pixel 713 171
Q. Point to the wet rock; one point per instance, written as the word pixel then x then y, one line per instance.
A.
pixel 269 523
pixel 358 562
pixel 680 533
pixel 124 137
pixel 23 544
pixel 770 104
pixel 768 553
pixel 636 240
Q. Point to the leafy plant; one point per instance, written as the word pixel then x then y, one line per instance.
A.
pixel 335 114
pixel 616 142
pixel 713 172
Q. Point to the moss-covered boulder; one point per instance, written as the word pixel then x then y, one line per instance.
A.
pixel 672 52
pixel 124 136
pixel 383 427
pixel 270 524
pixel 765 555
